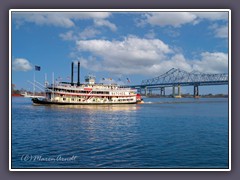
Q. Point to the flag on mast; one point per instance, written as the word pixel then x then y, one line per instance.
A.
pixel 37 68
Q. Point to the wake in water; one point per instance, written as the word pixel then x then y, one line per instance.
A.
pixel 183 102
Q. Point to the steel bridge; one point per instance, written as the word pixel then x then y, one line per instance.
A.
pixel 177 78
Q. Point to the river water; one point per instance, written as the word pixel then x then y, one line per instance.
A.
pixel 162 133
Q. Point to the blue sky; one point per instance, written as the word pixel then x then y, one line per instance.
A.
pixel 118 45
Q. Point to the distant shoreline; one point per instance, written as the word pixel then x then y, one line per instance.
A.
pixel 17 95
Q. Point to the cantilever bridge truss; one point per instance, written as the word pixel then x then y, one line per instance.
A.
pixel 177 78
pixel 181 77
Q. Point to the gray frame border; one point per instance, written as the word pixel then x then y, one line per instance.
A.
pixel 119 169
pixel 170 4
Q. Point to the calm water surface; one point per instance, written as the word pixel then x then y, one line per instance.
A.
pixel 162 133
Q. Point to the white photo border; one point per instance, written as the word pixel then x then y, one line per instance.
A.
pixel 118 10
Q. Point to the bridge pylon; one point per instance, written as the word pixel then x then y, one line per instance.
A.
pixel 196 91
pixel 162 91
pixel 173 91
pixel 178 95
pixel 179 92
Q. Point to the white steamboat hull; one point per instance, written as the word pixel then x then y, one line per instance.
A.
pixel 45 101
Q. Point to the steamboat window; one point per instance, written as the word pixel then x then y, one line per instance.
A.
pixel 64 99
pixel 72 99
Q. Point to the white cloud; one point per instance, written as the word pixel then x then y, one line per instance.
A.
pixel 87 15
pixel 150 35
pixel 177 19
pixel 88 33
pixel 222 32
pixel 20 64
pixel 216 62
pixel 177 61
pixel 212 16
pixel 61 19
pixel 171 32
pixel 102 22
pixel 130 56
pixel 219 31
pixel 85 34
pixel 126 52
pixel 152 57
pixel 91 63
pixel 68 36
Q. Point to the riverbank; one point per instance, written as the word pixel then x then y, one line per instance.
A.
pixel 17 95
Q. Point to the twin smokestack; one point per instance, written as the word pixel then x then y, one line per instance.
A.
pixel 72 71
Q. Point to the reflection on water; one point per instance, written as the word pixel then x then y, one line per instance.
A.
pixel 110 107
pixel 162 133
pixel 115 107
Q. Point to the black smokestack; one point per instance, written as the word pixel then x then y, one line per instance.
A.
pixel 78 81
pixel 72 74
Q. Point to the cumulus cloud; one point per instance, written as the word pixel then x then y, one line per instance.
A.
pixel 212 16
pixel 128 52
pixel 20 64
pixel 61 19
pixel 177 19
pixel 221 32
pixel 150 35
pixel 171 32
pixel 88 33
pixel 102 22
pixel 135 55
pixel 215 62
pixel 85 34
pixel 124 56
pixel 68 36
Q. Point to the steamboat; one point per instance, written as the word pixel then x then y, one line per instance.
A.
pixel 89 92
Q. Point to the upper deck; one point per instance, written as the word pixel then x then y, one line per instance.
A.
pixel 111 89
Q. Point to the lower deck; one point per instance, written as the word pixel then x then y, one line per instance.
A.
pixel 45 101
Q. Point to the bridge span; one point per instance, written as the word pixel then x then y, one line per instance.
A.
pixel 176 78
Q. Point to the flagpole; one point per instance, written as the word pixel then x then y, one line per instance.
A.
pixel 34 83
pixel 36 68
pixel 53 83
pixel 45 80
